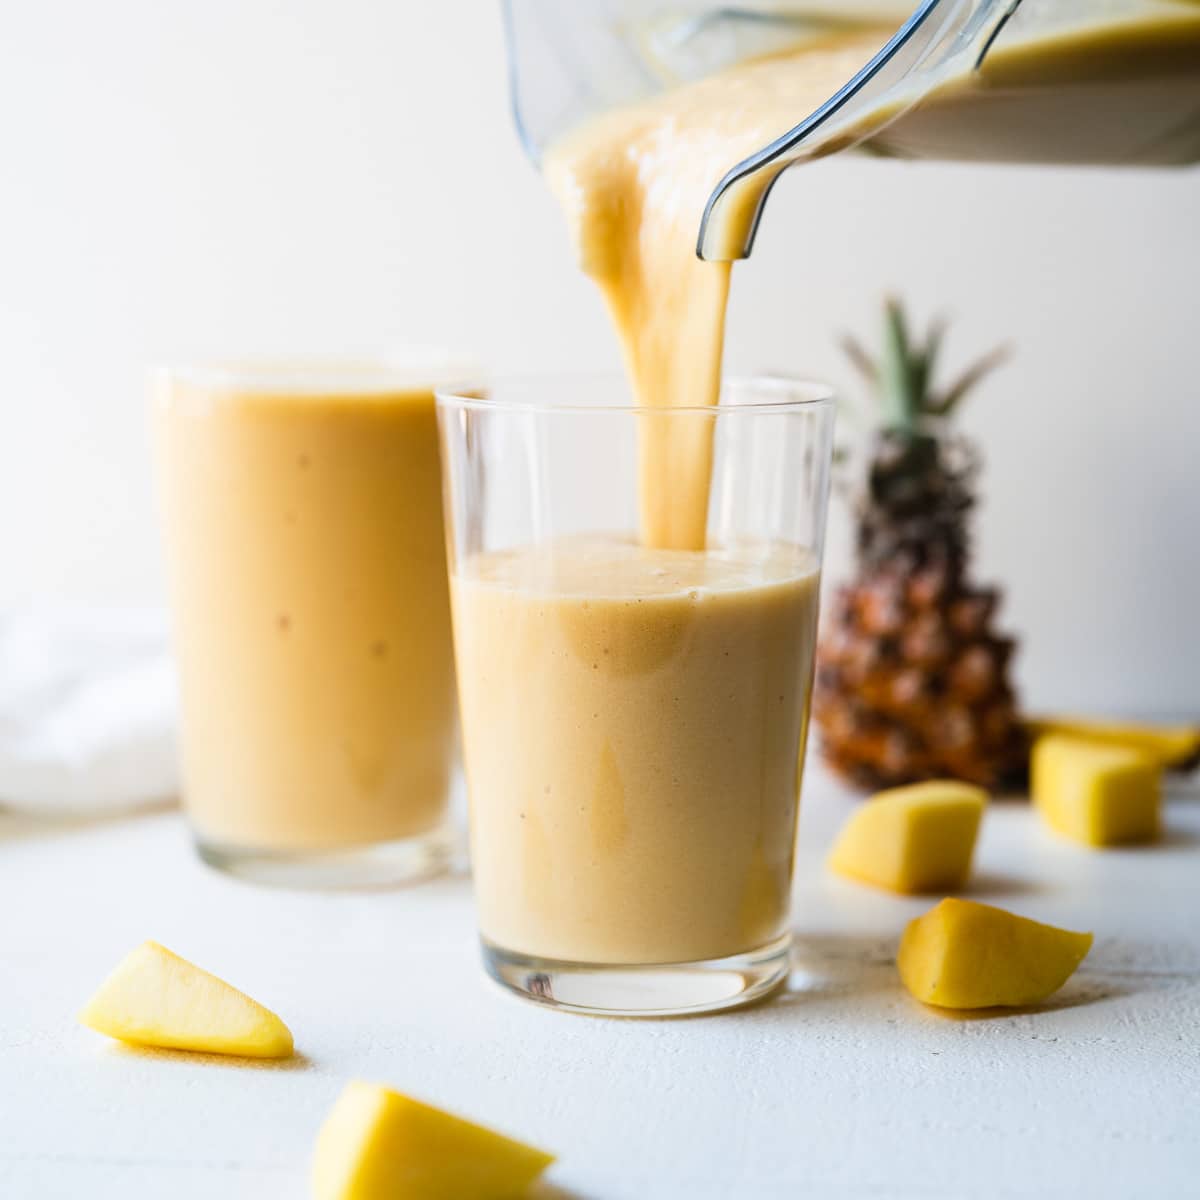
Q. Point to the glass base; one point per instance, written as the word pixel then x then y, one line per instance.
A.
pixel 377 865
pixel 670 990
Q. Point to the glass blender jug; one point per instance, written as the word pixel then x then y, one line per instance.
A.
pixel 1062 81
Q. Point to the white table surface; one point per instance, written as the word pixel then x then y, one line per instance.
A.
pixel 841 1087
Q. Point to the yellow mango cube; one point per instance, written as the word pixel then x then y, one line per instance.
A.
pixel 156 998
pixel 918 838
pixel 1173 747
pixel 379 1145
pixel 1098 794
pixel 962 954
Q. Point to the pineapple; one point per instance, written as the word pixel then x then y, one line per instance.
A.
pixel 913 678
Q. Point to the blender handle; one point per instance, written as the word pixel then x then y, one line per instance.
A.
pixel 928 48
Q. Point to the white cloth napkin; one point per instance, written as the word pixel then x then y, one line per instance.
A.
pixel 88 711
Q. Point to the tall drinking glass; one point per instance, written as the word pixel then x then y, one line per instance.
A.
pixel 634 718
pixel 303 517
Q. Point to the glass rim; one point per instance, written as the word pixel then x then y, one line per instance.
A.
pixel 405 368
pixel 779 390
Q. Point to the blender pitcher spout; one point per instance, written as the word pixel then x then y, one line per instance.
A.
pixel 942 38
pixel 569 62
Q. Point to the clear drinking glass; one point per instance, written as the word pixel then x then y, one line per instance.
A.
pixel 303 518
pixel 633 718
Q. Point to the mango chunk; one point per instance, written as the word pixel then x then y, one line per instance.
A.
pixel 918 838
pixel 379 1145
pixel 156 998
pixel 962 954
pixel 1173 747
pixel 1101 795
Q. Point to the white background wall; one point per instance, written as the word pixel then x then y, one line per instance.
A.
pixel 183 179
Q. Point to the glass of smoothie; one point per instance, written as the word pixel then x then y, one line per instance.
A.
pixel 635 605
pixel 303 516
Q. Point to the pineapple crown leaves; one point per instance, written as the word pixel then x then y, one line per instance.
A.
pixel 902 375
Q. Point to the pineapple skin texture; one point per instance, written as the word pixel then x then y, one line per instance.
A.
pixel 1095 793
pixel 918 838
pixel 377 1144
pixel 1173 747
pixel 965 955
pixel 156 998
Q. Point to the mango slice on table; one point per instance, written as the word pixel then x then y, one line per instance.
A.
pixel 1173 747
pixel 962 954
pixel 379 1145
pixel 918 838
pixel 1097 794
pixel 156 998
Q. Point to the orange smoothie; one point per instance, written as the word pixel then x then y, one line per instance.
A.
pixel 632 718
pixel 312 621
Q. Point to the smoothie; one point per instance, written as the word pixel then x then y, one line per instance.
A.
pixel 632 718
pixel 633 185
pixel 304 532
